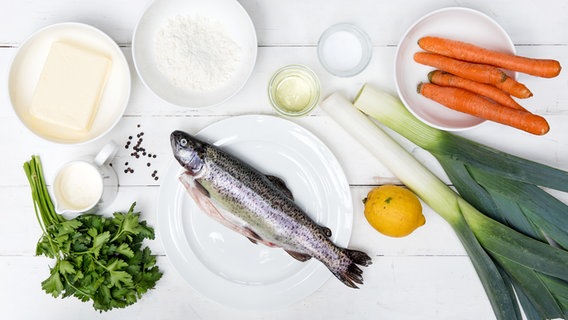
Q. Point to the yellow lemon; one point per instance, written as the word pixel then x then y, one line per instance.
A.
pixel 393 210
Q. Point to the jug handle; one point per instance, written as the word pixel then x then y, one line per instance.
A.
pixel 107 152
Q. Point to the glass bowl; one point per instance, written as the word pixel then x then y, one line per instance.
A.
pixel 294 90
pixel 344 50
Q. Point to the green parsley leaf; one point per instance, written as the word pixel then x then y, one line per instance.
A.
pixel 120 277
pixel 125 250
pixel 67 227
pixel 53 284
pixel 98 242
pixel 65 267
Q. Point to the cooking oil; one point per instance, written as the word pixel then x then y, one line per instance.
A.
pixel 294 90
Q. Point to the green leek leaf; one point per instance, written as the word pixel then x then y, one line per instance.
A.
pixel 498 289
pixel 500 240
pixel 529 309
pixel 559 289
pixel 488 201
pixel 500 163
pixel 545 211
pixel 533 287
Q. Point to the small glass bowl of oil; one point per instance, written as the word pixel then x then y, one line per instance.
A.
pixel 294 90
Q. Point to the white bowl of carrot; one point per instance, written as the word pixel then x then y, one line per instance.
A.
pixel 453 23
pixel 456 67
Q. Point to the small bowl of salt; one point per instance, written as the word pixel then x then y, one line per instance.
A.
pixel 344 50
pixel 194 53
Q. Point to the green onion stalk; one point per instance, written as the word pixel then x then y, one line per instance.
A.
pixel 512 256
pixel 43 205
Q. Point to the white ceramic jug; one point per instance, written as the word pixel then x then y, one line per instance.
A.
pixel 87 184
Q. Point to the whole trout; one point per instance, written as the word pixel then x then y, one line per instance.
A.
pixel 259 207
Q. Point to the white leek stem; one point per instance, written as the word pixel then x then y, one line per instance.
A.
pixel 401 163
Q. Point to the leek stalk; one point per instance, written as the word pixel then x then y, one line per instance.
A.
pixel 482 175
pixel 503 258
pixel 504 187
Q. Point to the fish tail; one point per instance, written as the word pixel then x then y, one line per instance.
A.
pixel 352 274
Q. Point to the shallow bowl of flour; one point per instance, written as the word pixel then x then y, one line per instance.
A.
pixel 193 53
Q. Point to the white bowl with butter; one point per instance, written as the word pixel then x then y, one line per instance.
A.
pixel 69 83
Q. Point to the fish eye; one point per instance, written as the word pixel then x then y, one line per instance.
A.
pixel 183 142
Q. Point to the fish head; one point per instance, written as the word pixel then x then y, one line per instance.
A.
pixel 188 151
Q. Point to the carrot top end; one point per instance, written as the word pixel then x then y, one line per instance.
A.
pixel 419 87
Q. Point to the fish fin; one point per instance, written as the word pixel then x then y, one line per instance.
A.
pixel 192 185
pixel 255 238
pixel 252 236
pixel 202 189
pixel 281 185
pixel 352 274
pixel 203 201
pixel 299 256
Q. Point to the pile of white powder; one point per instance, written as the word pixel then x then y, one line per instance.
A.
pixel 196 53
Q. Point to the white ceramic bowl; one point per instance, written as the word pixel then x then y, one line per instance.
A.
pixel 455 23
pixel 27 66
pixel 232 19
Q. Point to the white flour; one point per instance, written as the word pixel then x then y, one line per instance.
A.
pixel 195 53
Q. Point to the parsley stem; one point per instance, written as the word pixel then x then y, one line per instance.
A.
pixel 70 283
pixel 43 206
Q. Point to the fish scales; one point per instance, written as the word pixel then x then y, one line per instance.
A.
pixel 270 206
pixel 259 200
pixel 261 209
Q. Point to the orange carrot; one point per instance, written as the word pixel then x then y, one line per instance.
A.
pixel 514 88
pixel 546 68
pixel 445 79
pixel 473 71
pixel 476 105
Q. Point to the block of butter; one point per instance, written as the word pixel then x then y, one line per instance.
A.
pixel 70 86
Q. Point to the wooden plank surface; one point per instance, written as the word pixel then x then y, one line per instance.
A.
pixel 424 276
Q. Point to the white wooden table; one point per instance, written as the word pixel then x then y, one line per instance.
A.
pixel 426 275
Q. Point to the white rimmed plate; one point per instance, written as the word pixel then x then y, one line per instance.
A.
pixel 456 23
pixel 232 18
pixel 27 66
pixel 222 264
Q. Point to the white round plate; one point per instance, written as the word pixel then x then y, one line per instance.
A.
pixel 222 264
pixel 228 13
pixel 27 67
pixel 455 23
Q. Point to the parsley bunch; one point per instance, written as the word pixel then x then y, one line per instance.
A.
pixel 96 258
